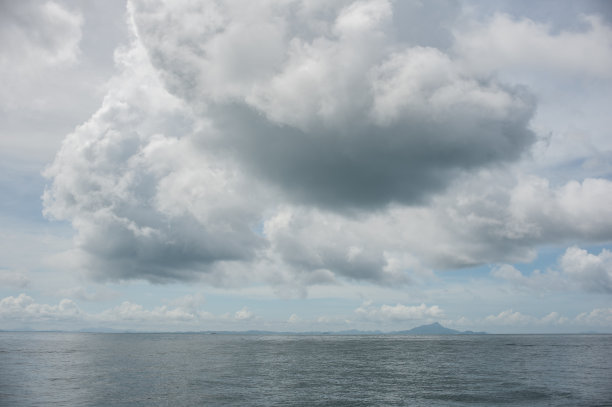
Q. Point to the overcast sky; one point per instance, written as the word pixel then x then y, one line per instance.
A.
pixel 306 165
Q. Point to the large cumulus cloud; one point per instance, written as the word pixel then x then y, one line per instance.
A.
pixel 325 103
pixel 306 142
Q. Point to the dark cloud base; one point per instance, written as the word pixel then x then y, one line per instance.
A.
pixel 366 167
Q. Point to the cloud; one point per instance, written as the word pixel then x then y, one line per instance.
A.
pixel 243 314
pixel 161 315
pixel 144 201
pixel 189 301
pixel 529 46
pixel 23 308
pixel 14 279
pixel 494 216
pixel 325 243
pixel 538 281
pixel 333 112
pixel 596 317
pixel 398 312
pixel 510 317
pixel 482 219
pixel 35 36
pixel 578 269
pixel 564 56
pixel 592 272
pixel 508 272
pixel 576 209
pixel 554 318
pixel 45 32
pixel 343 149
pixel 332 320
pixel 181 313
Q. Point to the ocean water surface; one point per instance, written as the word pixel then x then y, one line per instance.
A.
pixel 82 369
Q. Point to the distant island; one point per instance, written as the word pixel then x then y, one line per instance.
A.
pixel 436 329
pixel 431 329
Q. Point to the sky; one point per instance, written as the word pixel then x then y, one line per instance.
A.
pixel 306 165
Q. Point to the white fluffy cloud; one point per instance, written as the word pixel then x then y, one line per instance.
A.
pixel 510 317
pixel 592 272
pixel 538 281
pixel 576 209
pixel 578 269
pixel 24 308
pixel 398 312
pixel 565 58
pixel 163 315
pixel 243 314
pixel 476 222
pixel 526 45
pixel 55 61
pixel 144 201
pixel 182 313
pixel 599 317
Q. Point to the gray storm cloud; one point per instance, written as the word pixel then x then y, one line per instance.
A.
pixel 296 142
pixel 327 104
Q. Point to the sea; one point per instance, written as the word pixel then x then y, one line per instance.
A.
pixel 184 369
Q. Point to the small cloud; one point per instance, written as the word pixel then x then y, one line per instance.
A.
pixel 598 316
pixel 537 280
pixel 554 318
pixel 128 311
pixel 189 301
pixel 333 321
pixel 507 272
pixel 398 312
pixel 13 279
pixel 83 294
pixel 244 314
pixel 510 317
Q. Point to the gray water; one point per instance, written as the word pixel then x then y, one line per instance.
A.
pixel 79 369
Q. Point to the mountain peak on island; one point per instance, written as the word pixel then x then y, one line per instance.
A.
pixel 436 329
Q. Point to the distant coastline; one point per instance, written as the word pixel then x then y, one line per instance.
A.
pixel 434 329
pixel 430 329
